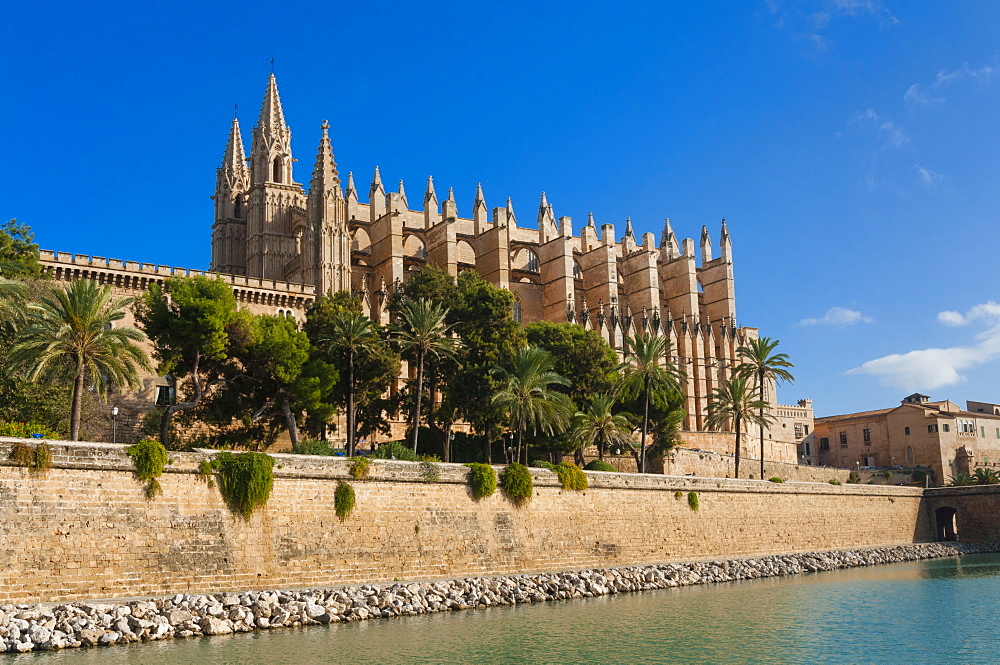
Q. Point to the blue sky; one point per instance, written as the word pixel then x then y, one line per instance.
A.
pixel 852 145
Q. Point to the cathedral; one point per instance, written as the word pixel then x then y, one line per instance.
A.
pixel 281 245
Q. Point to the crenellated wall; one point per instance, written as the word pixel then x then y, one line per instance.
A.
pixel 84 529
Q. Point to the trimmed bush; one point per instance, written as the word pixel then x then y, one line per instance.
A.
pixel 599 465
pixel 344 500
pixel 37 458
pixel 543 464
pixel 359 467
pixel 245 480
pixel 517 483
pixel 482 479
pixel 571 477
pixel 775 479
pixel 693 500
pixel 430 472
pixel 854 478
pixel 314 447
pixel 834 481
pixel 27 431
pixel 394 449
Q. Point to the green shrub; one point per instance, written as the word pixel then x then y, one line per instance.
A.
pixel 599 465
pixel 429 458
pixel 678 494
pixel 27 431
pixel 517 483
pixel 571 477
pixel 693 500
pixel 482 479
pixel 834 481
pixel 245 480
pixel 775 479
pixel 37 458
pixel 854 478
pixel 394 449
pixel 888 474
pixel 206 471
pixel 148 457
pixel 919 476
pixel 543 464
pixel 359 467
pixel 343 500
pixel 314 447
pixel 429 470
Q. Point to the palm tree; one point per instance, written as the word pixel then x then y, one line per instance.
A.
pixel 351 333
pixel 759 360
pixel 647 371
pixel 961 480
pixel 986 476
pixel 527 396
pixel 736 402
pixel 598 426
pixel 12 294
pixel 71 334
pixel 424 334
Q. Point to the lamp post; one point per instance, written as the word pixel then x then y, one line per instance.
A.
pixel 114 424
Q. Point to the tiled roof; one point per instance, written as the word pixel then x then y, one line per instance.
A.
pixel 851 416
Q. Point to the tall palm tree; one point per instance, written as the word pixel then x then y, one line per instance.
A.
pixel 759 360
pixel 352 333
pixel 648 371
pixel 598 426
pixel 424 334
pixel 527 396
pixel 71 334
pixel 12 294
pixel 736 402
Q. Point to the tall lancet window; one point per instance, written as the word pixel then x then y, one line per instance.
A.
pixel 237 207
pixel 277 170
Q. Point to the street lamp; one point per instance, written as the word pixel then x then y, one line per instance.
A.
pixel 114 424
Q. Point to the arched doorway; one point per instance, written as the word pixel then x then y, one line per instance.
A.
pixel 946 524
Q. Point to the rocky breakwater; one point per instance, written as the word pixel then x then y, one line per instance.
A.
pixel 41 627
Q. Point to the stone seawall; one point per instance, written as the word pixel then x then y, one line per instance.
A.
pixel 83 529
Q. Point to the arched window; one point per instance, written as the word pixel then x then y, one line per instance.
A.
pixel 237 207
pixel 909 454
pixel 532 262
pixel 516 313
pixel 577 273
pixel 277 170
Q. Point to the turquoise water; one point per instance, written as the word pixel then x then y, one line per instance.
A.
pixel 940 611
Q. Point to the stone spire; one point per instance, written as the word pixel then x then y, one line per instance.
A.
pixel 479 213
pixel 668 241
pixel 628 228
pixel 511 219
pixel 590 221
pixel 546 220
pixel 430 196
pixel 376 187
pixel 725 243
pixel 402 193
pixel 271 150
pixel 706 246
pixel 233 175
pixel 325 177
pixel 352 191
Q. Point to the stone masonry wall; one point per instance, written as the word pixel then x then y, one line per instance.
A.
pixel 83 529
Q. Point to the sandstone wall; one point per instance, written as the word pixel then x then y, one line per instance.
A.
pixel 977 516
pixel 83 529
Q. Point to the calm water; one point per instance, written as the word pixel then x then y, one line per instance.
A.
pixel 927 612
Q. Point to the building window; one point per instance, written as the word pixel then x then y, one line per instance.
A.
pixel 931 429
pixel 164 395
pixel 517 311
pixel 946 427
pixel 909 454
pixel 808 449
pixel 906 431
pixel 966 426
pixel 277 170
pixel 798 431
pixel 532 262
pixel 577 273
pixel 867 434
pixel 824 444
pixel 843 439
pixel 807 429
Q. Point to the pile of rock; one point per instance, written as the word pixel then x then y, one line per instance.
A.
pixel 37 627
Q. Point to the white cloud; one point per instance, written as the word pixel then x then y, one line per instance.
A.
pixel 838 316
pixel 924 95
pixel 927 177
pixel 916 95
pixel 863 7
pixel 925 369
pixel 987 310
pixel 891 134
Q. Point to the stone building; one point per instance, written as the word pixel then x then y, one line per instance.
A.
pixel 918 432
pixel 280 244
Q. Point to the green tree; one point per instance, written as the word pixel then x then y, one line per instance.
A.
pixel 986 476
pixel 276 377
pixel 18 252
pixel 648 372
pixel 352 334
pixel 599 426
pixel 582 356
pixel 189 320
pixel 71 334
pixel 528 396
pixel 735 402
pixel 759 360
pixel 422 333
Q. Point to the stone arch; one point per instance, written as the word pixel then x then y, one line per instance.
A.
pixel 524 259
pixel 277 168
pixel 413 247
pixel 361 242
pixel 909 454
pixel 945 524
pixel 577 270
pixel 465 254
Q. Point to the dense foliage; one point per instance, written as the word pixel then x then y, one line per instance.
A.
pixel 599 465
pixel 571 477
pixel 482 480
pixel 245 480
pixel 343 500
pixel 517 483
pixel 149 458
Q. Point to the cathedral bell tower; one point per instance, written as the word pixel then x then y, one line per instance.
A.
pixel 276 201
pixel 326 255
pixel 229 231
